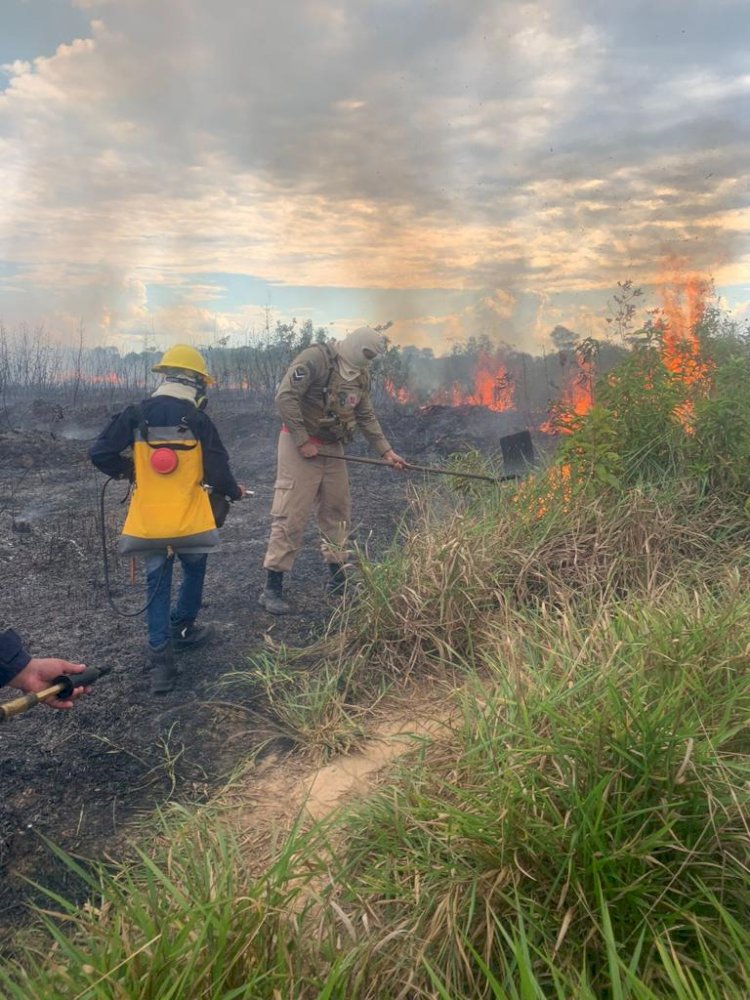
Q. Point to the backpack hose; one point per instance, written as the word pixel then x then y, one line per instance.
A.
pixel 105 559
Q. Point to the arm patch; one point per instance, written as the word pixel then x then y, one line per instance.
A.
pixel 299 373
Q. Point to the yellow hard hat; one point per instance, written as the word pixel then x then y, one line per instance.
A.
pixel 186 357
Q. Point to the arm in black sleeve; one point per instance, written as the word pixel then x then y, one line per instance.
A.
pixel 105 452
pixel 217 472
pixel 13 657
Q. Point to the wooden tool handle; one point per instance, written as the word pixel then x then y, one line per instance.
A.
pixel 27 701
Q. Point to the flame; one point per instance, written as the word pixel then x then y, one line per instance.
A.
pixel 402 394
pixel 684 301
pixel 575 400
pixel 87 378
pixel 493 388
pixel 683 308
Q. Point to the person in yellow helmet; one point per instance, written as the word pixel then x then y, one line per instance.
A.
pixel 170 449
pixel 323 399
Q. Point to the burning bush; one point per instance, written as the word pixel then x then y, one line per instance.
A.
pixel 676 406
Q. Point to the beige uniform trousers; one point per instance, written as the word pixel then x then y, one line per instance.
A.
pixel 301 485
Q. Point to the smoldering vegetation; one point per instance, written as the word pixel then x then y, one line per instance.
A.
pixel 478 372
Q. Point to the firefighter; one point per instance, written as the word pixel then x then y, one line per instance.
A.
pixel 31 674
pixel 323 398
pixel 176 454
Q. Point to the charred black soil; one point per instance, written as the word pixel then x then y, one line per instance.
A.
pixel 80 779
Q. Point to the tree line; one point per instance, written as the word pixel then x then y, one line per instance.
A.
pixel 33 363
pixel 478 371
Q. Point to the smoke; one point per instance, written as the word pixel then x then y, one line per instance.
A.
pixel 478 159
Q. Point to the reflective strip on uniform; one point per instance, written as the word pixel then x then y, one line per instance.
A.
pixel 204 541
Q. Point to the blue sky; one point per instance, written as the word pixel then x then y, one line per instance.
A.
pixel 196 169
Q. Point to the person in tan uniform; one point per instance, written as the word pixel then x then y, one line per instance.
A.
pixel 323 398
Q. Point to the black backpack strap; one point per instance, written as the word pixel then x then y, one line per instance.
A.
pixel 189 419
pixel 330 358
pixel 139 421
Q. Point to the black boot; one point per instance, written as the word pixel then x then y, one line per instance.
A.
pixel 163 668
pixel 188 635
pixel 337 582
pixel 272 598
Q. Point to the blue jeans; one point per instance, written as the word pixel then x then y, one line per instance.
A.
pixel 159 587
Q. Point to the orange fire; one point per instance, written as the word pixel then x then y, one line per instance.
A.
pixel 684 301
pixel 576 399
pixel 402 395
pixel 493 388
pixel 683 308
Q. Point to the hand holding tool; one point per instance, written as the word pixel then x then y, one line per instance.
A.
pixel 62 687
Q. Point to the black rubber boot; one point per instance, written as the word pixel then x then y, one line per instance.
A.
pixel 163 669
pixel 188 635
pixel 337 582
pixel 272 598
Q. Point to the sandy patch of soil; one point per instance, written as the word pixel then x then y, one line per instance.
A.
pixel 284 791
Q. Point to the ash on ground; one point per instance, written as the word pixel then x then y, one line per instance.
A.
pixel 80 778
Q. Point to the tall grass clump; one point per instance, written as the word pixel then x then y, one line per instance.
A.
pixel 316 706
pixel 587 825
pixel 446 598
pixel 182 920
pixel 649 487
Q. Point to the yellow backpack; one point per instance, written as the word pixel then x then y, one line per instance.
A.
pixel 169 505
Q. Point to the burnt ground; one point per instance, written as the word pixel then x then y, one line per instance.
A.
pixel 82 778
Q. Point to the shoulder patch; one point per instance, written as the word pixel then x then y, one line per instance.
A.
pixel 299 373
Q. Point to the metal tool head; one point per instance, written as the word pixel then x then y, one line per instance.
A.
pixel 518 453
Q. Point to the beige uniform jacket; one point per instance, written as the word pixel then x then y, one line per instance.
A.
pixel 302 400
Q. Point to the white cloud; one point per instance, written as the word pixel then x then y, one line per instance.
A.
pixel 482 146
pixel 16 68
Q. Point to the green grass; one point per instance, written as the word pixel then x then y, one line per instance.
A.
pixel 580 831
pixel 315 703
pixel 594 807
pixel 183 920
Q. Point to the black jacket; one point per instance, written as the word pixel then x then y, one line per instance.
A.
pixel 13 657
pixel 163 411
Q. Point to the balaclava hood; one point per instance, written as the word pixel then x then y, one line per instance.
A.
pixel 181 384
pixel 350 351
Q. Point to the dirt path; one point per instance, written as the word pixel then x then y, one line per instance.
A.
pixel 282 792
